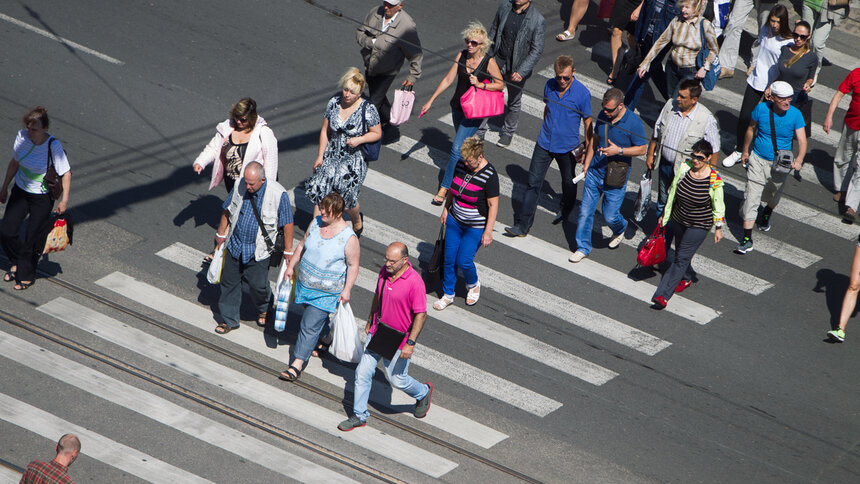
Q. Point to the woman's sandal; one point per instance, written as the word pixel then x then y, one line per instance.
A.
pixel 262 319
pixel 287 376
pixel 442 303
pixel 21 286
pixel 473 295
pixel 9 277
pixel 321 348
pixel 610 80
pixel 566 35
pixel 208 258
pixel 439 198
pixel 223 328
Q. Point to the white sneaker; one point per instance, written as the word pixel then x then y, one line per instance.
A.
pixel 616 241
pixel 577 257
pixel 732 159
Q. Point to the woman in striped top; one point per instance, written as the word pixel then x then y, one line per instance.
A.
pixel 685 35
pixel 695 204
pixel 469 214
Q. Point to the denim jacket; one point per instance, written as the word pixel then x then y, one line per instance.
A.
pixel 528 46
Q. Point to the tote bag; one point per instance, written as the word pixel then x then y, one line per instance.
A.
pixel 480 103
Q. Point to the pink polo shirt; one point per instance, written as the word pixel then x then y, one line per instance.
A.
pixel 403 299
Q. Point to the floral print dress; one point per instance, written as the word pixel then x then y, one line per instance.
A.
pixel 343 168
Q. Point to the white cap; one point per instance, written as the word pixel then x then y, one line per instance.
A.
pixel 781 89
pixel 393 3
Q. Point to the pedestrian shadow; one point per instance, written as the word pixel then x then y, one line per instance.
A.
pixel 205 210
pixel 833 285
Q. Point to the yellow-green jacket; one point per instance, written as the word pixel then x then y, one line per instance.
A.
pixel 715 189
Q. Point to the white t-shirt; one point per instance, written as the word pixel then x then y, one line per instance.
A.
pixel 33 162
pixel 766 70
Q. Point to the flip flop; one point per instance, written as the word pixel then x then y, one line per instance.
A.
pixel 564 36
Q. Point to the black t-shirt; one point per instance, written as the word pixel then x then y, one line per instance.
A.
pixel 463 84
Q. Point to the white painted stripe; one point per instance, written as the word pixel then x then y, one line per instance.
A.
pixel 777 249
pixel 9 475
pixel 240 384
pixel 549 253
pixel 165 412
pixel 61 40
pixel 201 318
pixel 94 445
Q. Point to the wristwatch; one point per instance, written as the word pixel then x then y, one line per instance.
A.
pixel 622 152
pixel 410 342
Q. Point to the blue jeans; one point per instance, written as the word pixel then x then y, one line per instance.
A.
pixel 665 176
pixel 314 323
pixel 541 159
pixel 461 245
pixel 397 371
pixel 637 85
pixel 465 128
pixel 256 274
pixel 612 198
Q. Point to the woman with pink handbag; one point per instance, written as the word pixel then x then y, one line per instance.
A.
pixel 472 68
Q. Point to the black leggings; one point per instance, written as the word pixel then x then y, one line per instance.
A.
pixel 25 253
pixel 752 97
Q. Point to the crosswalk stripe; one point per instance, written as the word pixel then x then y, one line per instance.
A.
pixel 549 253
pixel 242 385
pixel 707 267
pixel 499 388
pixel 9 475
pixel 165 412
pixel 777 249
pixel 202 319
pixel 94 445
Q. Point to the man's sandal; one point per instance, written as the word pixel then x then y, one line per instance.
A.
pixel 286 375
pixel 224 328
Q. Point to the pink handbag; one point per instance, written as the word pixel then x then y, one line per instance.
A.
pixel 479 103
pixel 402 106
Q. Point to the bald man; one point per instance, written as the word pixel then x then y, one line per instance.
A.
pixel 248 248
pixel 56 471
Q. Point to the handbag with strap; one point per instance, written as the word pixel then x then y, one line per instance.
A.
pixel 370 151
pixel 276 248
pixel 782 159
pixel 654 250
pixel 616 171
pixel 53 183
pixel 710 79
pixel 434 267
pixel 480 103
pixel 385 340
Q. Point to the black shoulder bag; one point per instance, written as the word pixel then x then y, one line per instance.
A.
pixel 53 183
pixel 276 249
pixel 616 171
pixel 782 159
pixel 385 340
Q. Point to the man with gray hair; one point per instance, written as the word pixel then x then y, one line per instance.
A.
pixel 254 202
pixel 57 471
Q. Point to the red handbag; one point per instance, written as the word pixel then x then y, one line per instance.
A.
pixel 654 250
pixel 480 103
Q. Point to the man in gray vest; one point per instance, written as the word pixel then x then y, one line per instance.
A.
pixel 681 123
pixel 247 253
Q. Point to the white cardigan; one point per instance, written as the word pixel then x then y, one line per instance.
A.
pixel 262 148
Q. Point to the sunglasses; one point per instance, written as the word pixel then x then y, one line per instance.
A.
pixel 242 120
pixel 800 36
pixel 473 43
pixel 387 5
pixel 699 158
pixel 611 110
pixel 563 78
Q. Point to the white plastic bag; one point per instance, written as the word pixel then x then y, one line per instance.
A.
pixel 643 200
pixel 282 298
pixel 345 343
pixel 213 275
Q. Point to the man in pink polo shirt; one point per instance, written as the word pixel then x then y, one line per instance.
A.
pixel 848 151
pixel 400 302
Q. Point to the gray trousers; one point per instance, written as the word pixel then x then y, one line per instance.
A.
pixel 820 33
pixel 734 27
pixel 764 184
pixel 848 157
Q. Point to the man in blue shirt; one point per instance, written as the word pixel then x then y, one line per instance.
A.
pixel 567 103
pixel 764 183
pixel 619 135
pixel 247 253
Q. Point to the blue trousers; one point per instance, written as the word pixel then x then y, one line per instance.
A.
pixel 461 245
pixel 315 322
pixel 464 128
pixel 665 175
pixel 397 371
pixel 612 198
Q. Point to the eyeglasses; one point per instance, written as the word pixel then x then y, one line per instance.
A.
pixel 563 78
pixel 800 36
pixel 392 261
pixel 473 43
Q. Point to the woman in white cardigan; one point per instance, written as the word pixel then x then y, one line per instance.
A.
pixel 244 137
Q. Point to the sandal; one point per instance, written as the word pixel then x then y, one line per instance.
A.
pixel 443 303
pixel 208 258
pixel 287 376
pixel 439 198
pixel 359 231
pixel 321 349
pixel 224 328
pixel 9 277
pixel 610 80
pixel 566 35
pixel 473 295
pixel 262 318
pixel 22 286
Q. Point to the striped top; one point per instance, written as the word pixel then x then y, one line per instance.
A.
pixel 686 40
pixel 692 204
pixel 471 191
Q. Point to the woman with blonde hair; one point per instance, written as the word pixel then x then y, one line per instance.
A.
pixel 472 67
pixel 340 167
pixel 684 34
pixel 797 66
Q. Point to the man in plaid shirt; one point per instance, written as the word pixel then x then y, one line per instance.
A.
pixel 56 471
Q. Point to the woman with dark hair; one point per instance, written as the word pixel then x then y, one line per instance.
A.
pixel 695 204
pixel 244 137
pixel 34 149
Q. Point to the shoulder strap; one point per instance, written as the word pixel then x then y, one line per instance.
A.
pixel 773 132
pixel 363 114
pixel 269 244
pixel 379 300
pixel 50 154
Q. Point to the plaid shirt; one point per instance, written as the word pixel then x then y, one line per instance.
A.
pixel 53 472
pixel 243 242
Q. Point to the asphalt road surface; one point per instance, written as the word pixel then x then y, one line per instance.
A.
pixel 562 372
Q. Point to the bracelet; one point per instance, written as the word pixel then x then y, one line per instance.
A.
pixel 290 252
pixel 220 236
